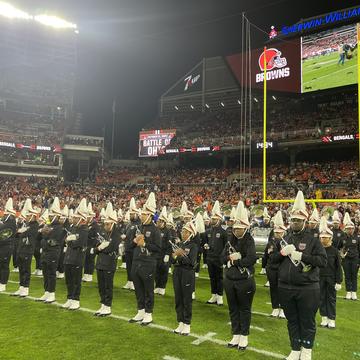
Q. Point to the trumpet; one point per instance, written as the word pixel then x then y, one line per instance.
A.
pixel 176 247
pixel 343 253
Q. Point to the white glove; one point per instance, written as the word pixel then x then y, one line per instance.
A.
pixel 104 245
pixel 71 237
pixel 296 255
pixel 121 249
pixel 206 247
pixel 123 237
pixel 92 251
pixel 22 230
pixel 337 287
pixel 41 251
pixel 166 259
pixel 287 250
pixel 235 256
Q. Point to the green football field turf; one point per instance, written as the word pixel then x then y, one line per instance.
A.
pixel 36 331
pixel 324 72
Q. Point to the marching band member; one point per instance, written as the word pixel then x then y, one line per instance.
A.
pixel 162 266
pixel 27 238
pixel 107 253
pixel 184 255
pixel 60 273
pixel 330 277
pixel 338 234
pixel 239 256
pixel 74 256
pixel 314 220
pixel 148 245
pixel 89 264
pixel 7 238
pixel 50 251
pixel 350 250
pixel 207 231
pixel 272 269
pixel 299 288
pixel 217 239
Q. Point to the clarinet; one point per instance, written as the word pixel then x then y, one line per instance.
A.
pixel 306 268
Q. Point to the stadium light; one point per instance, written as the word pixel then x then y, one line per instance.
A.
pixel 256 100
pixel 239 102
pixel 274 97
pixel 11 12
pixel 222 104
pixel 207 106
pixel 192 107
pixel 54 22
pixel 176 108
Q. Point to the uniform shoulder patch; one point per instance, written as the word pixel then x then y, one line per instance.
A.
pixel 218 235
pixel 147 234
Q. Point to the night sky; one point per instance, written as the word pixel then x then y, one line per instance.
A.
pixel 133 51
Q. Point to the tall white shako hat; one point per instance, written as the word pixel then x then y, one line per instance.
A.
pixel 110 214
pixel 233 214
pixel 242 218
pixel 348 224
pixel 132 207
pixel 170 221
pixel 336 217
pixel 266 213
pixel 44 216
pixel 65 212
pixel 55 209
pixel 90 210
pixel 279 222
pixel 163 215
pixel 314 217
pixel 120 215
pixel 185 212
pixel 216 212
pixel 298 210
pixel 199 223
pixel 9 207
pixel 206 216
pixel 323 228
pixel 102 214
pixel 127 217
pixel 24 210
pixel 150 205
pixel 82 210
pixel 71 213
pixel 190 226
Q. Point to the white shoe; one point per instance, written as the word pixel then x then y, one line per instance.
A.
pixel 87 278
pixel 16 270
pixel 324 321
pixel 44 297
pixel 281 314
pixel 2 287
pixel 193 296
pixel 24 292
pixel 275 313
pixel 18 291
pixel 234 341
pixel 267 284
pixel 305 354
pixel 35 272
pixel 161 292
pixel 139 316
pixel 60 275
pixel 50 299
pixel 40 273
pixel 127 286
pixel 331 324
pixel 196 275
pixel 75 304
pixel 294 355
pixel 219 300
pixel 123 265
pixel 353 296
pixel 170 271
pixel 348 295
pixel 67 304
pixel 243 342
pixel 147 319
pixel 178 330
pixel 262 272
pixel 185 330
pixel 204 266
pixel 99 311
pixel 132 287
pixel 156 290
pixel 212 300
pixel 106 311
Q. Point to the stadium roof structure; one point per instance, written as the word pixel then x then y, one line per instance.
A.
pixel 209 85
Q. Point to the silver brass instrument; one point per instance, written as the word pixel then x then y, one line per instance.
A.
pixel 306 268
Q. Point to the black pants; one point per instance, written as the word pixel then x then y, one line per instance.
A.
pixel 198 259
pixel 5 257
pixel 272 276
pixel 15 255
pixel 61 266
pixel 49 273
pixel 240 295
pixel 216 278
pixel 128 259
pixel 105 283
pixel 264 262
pixel 73 274
pixel 89 265
pixel 205 257
pixel 300 307
pixel 327 298
pixel 37 257
pixel 351 269
pixel 162 274
pixel 143 277
pixel 183 280
pixel 24 262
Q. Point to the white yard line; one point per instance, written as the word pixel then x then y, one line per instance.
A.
pixel 198 338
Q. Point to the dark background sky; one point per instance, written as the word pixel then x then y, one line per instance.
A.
pixel 134 50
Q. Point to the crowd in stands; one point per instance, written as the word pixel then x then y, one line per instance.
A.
pixel 23 157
